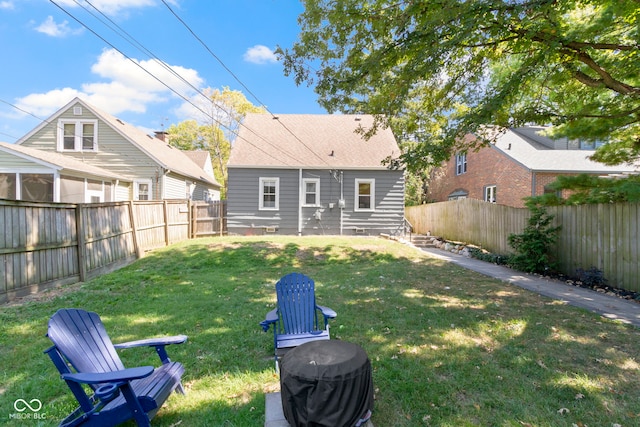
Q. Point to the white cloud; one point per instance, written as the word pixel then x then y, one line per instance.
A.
pixel 127 87
pixel 260 54
pixel 53 29
pixel 6 5
pixel 112 7
pixel 45 104
pixel 114 66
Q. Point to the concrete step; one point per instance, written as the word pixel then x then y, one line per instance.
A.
pixel 274 415
pixel 423 241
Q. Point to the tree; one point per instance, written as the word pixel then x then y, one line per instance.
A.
pixel 439 70
pixel 218 117
pixel 590 189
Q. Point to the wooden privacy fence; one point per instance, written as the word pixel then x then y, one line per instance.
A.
pixel 44 244
pixel 600 236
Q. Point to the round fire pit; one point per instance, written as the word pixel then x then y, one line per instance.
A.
pixel 326 383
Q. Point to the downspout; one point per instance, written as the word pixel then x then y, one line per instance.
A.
pixel 533 183
pixel 341 204
pixel 300 189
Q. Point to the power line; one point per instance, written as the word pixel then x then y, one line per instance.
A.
pixel 240 82
pixel 135 43
pixel 161 82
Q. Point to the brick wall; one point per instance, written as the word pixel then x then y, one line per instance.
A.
pixel 487 166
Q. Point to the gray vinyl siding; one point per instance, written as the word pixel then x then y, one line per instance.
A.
pixel 115 153
pixel 389 204
pixel 243 213
pixel 244 216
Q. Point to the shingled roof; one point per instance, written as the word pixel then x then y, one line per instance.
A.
pixel 530 147
pixel 311 141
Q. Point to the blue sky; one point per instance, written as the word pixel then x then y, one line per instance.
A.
pixel 51 57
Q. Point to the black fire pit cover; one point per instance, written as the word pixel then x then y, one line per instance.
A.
pixel 326 383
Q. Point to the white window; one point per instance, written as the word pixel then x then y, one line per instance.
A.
pixel 142 190
pixel 95 191
pixel 365 195
pixel 311 192
pixel 490 193
pixel 461 163
pixel 269 194
pixel 77 135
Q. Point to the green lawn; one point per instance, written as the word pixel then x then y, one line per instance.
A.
pixel 449 347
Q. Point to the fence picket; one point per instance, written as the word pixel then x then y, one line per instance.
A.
pixel 600 236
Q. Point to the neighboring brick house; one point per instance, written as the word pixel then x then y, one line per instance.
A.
pixel 521 163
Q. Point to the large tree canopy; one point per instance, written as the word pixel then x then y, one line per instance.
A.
pixel 441 69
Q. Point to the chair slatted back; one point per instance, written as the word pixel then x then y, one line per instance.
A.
pixel 81 337
pixel 297 303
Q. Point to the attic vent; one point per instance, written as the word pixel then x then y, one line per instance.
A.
pixel 77 111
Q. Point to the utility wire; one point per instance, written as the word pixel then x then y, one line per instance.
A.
pixel 161 82
pixel 240 82
pixel 135 43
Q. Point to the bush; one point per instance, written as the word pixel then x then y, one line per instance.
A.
pixel 532 246
pixel 489 257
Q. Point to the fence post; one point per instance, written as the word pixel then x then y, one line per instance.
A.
pixel 190 218
pixel 134 226
pixel 82 246
pixel 165 213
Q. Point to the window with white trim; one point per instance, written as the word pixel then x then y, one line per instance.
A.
pixel 461 163
pixel 490 193
pixel 365 195
pixel 269 194
pixel 142 190
pixel 77 135
pixel 311 189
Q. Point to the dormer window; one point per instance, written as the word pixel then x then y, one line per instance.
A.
pixel 77 135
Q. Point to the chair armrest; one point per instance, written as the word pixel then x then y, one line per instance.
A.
pixel 271 317
pixel 153 342
pixel 327 312
pixel 109 377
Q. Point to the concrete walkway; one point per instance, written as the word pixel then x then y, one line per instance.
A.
pixel 609 306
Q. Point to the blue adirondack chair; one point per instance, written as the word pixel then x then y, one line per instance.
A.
pixel 295 319
pixel 108 393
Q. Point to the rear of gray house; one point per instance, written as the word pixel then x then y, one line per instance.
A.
pixel 299 174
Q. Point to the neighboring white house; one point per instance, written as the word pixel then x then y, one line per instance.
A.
pixel 41 176
pixel 149 168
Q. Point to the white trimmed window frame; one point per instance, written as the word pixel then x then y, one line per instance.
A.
pixel 78 135
pixel 315 194
pixel 371 195
pixel 461 163
pixel 490 193
pixel 136 189
pixel 271 182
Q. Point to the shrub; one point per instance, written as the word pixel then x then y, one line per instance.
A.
pixel 532 246
pixel 489 257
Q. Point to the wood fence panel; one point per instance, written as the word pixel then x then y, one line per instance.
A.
pixel 600 236
pixel 208 218
pixel 44 244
